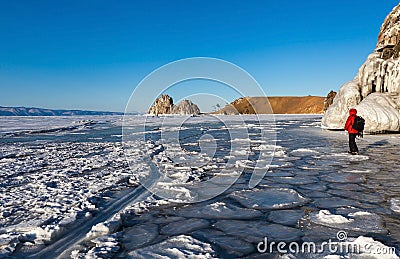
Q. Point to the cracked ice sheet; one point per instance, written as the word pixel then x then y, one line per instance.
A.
pixel 328 160
pixel 29 123
pixel 47 187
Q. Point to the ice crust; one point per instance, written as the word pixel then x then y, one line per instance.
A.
pixel 311 190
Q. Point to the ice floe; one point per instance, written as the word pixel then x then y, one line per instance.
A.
pixel 230 245
pixel 139 235
pixel 360 221
pixel 269 198
pixel 184 226
pixel 256 231
pixel 395 204
pixel 216 210
pixel 286 217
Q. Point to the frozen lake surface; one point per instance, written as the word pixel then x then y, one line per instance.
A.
pixel 71 188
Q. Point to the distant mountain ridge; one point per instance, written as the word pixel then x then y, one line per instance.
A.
pixel 33 111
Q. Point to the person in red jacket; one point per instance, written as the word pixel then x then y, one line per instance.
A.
pixel 352 132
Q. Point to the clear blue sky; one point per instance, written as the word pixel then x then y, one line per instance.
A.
pixel 91 54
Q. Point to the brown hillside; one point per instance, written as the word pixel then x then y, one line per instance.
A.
pixel 279 105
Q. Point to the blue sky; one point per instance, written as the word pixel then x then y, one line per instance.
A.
pixel 92 54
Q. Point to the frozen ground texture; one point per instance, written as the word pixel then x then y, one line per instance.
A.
pixel 55 180
pixel 375 91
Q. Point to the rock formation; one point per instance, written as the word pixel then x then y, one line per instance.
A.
pixel 329 100
pixel 165 105
pixel 276 105
pixel 375 91
pixel 162 105
pixel 185 107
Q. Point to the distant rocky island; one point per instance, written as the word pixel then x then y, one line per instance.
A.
pixel 31 111
pixel 248 105
pixel 375 91
pixel 165 105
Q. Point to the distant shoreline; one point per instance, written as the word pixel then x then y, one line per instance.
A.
pixel 34 112
pixel 244 105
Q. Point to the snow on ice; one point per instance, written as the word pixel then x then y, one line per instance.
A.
pixel 55 180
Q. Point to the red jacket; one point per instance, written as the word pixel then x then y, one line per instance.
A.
pixel 350 122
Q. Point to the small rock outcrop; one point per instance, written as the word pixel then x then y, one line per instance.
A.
pixel 375 91
pixel 329 100
pixel 165 105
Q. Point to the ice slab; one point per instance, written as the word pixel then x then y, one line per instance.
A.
pixel 230 245
pixel 319 233
pixel 138 235
pixel 324 217
pixel 315 187
pixel 175 247
pixel 256 231
pixel 269 198
pixel 216 210
pixel 360 221
pixel 296 180
pixel 184 226
pixel 359 196
pixel 395 204
pixel 344 178
pixel 333 202
pixel 286 217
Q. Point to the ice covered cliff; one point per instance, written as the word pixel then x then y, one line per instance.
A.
pixel 165 105
pixel 375 91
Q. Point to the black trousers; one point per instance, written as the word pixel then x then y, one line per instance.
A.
pixel 352 143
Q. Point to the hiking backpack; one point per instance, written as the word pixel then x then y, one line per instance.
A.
pixel 359 124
